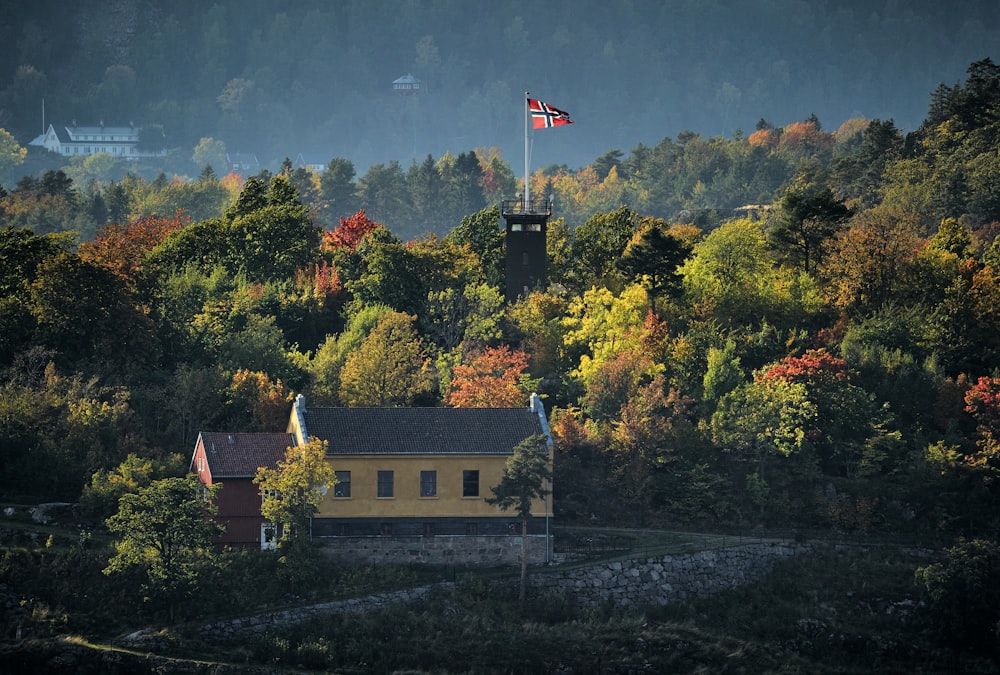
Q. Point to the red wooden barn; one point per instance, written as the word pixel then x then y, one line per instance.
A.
pixel 232 459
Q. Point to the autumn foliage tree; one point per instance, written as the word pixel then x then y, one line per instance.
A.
pixel 492 378
pixel 815 364
pixel 805 136
pixel 869 263
pixel 121 247
pixel 764 138
pixel 388 368
pixel 844 412
pixel 291 492
pixel 256 402
pixel 350 232
pixel 982 401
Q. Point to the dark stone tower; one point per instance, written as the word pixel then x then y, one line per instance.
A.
pixel 525 242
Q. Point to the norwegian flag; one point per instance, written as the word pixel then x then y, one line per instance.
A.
pixel 544 116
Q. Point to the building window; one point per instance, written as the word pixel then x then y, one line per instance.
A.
pixel 428 483
pixel 385 529
pixel 268 536
pixel 470 483
pixel 428 529
pixel 268 494
pixel 472 529
pixel 385 486
pixel 343 486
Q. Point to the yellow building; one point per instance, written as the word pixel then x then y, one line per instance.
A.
pixel 406 473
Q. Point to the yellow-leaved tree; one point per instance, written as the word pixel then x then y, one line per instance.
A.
pixel 11 154
pixel 388 369
pixel 291 492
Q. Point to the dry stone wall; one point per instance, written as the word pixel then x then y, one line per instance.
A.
pixel 661 580
pixel 640 582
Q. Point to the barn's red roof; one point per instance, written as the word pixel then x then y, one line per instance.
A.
pixel 239 455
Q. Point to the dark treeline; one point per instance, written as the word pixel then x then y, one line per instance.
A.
pixel 315 77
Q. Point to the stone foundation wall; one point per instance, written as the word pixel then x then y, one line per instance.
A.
pixel 661 580
pixel 639 582
pixel 436 550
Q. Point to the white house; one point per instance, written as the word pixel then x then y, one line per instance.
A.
pixel 313 164
pixel 407 84
pixel 74 141
pixel 243 163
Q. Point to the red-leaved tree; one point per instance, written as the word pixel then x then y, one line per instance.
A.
pixel 982 401
pixel 350 232
pixel 814 364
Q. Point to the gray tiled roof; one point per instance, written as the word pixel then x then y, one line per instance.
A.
pixel 239 455
pixel 422 431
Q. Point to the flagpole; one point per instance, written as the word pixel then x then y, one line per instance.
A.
pixel 527 178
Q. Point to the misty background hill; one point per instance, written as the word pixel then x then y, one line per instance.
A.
pixel 313 77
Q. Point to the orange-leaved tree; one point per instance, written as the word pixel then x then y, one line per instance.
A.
pixel 492 378
pixel 121 247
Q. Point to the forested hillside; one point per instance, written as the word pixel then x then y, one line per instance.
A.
pixel 315 77
pixel 773 307
pixel 826 359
